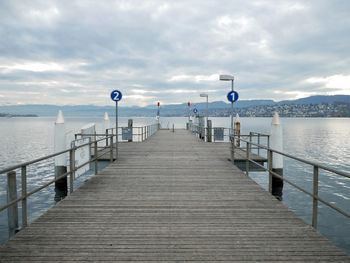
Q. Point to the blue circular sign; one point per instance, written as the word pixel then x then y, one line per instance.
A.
pixel 195 110
pixel 232 96
pixel 116 95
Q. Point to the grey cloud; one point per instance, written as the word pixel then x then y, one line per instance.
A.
pixel 270 46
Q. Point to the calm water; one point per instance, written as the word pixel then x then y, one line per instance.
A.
pixel 322 140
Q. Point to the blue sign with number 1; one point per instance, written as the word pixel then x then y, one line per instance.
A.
pixel 116 95
pixel 232 96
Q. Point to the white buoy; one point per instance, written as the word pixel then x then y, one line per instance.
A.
pixel 60 139
pixel 106 122
pixel 60 160
pixel 237 130
pixel 276 143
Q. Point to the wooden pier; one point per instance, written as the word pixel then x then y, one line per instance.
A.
pixel 171 198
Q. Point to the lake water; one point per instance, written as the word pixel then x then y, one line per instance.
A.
pixel 324 140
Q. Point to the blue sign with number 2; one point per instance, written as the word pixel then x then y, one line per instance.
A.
pixel 232 96
pixel 116 95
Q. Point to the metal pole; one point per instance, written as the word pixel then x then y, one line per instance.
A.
pixel 96 159
pixel 116 130
pixel 232 107
pixel 24 195
pixel 315 198
pixel 247 161
pixel 207 109
pixel 12 211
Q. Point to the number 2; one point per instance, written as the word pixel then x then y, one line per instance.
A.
pixel 116 95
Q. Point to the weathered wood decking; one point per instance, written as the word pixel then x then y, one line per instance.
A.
pixel 170 199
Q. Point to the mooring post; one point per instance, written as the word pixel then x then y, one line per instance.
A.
pixel 173 127
pixel 61 187
pixel 130 125
pixel 237 130
pixel 12 211
pixel 106 125
pixel 276 143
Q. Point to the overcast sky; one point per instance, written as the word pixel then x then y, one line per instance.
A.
pixel 77 52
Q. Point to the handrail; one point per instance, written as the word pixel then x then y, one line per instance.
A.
pixel 147 131
pixel 316 166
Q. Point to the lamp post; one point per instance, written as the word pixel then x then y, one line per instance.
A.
pixel 229 78
pixel 205 95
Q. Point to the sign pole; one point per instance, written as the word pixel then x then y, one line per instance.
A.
pixel 116 130
pixel 232 107
pixel 116 96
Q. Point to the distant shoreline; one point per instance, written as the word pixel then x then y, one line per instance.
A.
pixel 7 115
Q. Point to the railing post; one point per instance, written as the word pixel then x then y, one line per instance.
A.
pixel 106 137
pixel 12 211
pixel 111 150
pixel 24 196
pixel 96 157
pixel 248 157
pixel 72 169
pixel 269 163
pixel 258 143
pixel 315 198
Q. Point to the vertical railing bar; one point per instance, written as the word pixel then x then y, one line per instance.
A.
pixel 248 157
pixel 95 157
pixel 315 197
pixel 24 196
pixel 111 150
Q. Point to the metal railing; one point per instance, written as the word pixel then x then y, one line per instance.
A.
pixel 139 133
pixel 13 200
pixel 315 182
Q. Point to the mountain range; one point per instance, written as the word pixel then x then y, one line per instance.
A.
pixel 166 110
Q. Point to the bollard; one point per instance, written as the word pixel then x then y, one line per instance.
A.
pixel 12 211
pixel 61 188
pixel 237 130
pixel 130 125
pixel 106 125
pixel 276 143
pixel 209 133
pixel 173 127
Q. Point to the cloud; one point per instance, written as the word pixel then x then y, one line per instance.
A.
pixel 336 84
pixel 76 52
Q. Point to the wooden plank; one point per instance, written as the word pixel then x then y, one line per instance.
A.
pixel 171 198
